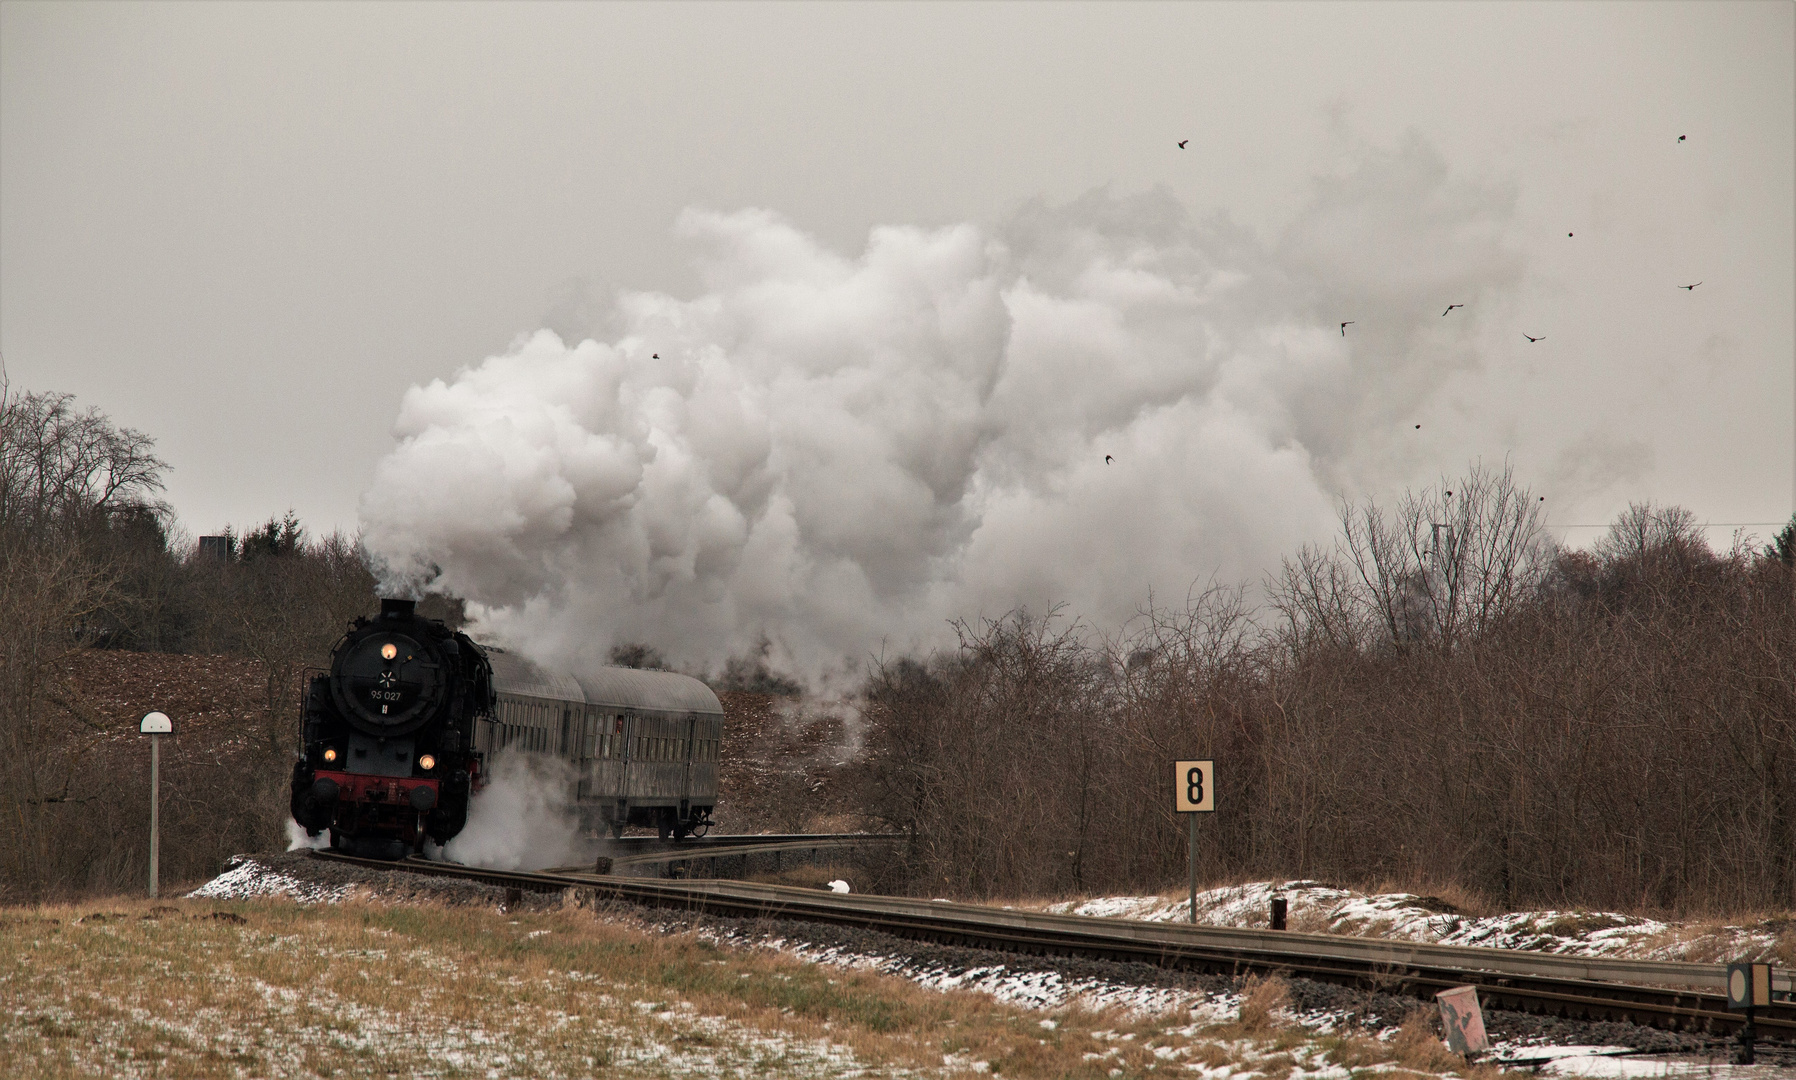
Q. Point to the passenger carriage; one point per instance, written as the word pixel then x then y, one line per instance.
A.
pixel 644 746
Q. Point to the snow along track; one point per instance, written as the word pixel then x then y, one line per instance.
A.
pixel 1660 994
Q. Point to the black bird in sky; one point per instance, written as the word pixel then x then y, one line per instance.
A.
pixel 1418 427
pixel 655 356
pixel 1568 235
pixel 1449 310
pixel 1182 143
pixel 1542 337
pixel 1344 327
pixel 1108 459
pixel 1681 138
pixel 1692 288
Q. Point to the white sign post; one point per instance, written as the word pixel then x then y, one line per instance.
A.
pixel 155 725
pixel 1194 793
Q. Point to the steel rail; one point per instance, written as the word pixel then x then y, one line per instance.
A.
pixel 1530 982
pixel 642 850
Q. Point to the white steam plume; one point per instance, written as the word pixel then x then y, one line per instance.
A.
pixel 838 455
pixel 522 819
pixel 297 840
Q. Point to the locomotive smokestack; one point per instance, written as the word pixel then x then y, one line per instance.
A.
pixel 397 609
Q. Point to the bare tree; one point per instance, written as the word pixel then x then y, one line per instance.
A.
pixel 64 475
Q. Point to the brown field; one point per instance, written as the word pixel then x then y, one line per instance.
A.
pixel 188 988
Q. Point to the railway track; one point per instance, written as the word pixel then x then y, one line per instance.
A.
pixel 647 850
pixel 1675 996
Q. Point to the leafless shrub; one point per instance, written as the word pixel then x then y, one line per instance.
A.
pixel 1485 715
pixel 1262 998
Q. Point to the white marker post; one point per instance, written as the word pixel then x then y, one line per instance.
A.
pixel 155 725
pixel 1194 793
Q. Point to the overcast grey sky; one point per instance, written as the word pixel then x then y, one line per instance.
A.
pixel 248 229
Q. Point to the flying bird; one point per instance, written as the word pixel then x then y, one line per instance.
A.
pixel 1449 310
pixel 1344 327
pixel 655 356
pixel 1418 427
pixel 1690 287
pixel 1681 138
pixel 1568 235
pixel 1182 143
pixel 1108 459
pixel 1542 337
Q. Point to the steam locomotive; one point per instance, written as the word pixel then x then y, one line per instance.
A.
pixel 399 733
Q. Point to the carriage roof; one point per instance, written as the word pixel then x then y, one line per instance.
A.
pixel 606 687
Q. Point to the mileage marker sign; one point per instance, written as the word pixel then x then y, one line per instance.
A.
pixel 1192 783
pixel 1194 793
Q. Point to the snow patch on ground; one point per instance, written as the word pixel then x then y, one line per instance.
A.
pixel 1592 1062
pixel 1316 907
pixel 1029 989
pixel 250 879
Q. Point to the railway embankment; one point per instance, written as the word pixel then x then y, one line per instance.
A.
pixel 1135 1018
pixel 292 967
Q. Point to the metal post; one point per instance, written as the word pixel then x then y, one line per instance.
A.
pixel 155 809
pixel 1748 1034
pixel 1192 845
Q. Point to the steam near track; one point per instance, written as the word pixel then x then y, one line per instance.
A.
pixel 837 454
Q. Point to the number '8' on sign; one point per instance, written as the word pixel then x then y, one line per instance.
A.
pixel 1193 786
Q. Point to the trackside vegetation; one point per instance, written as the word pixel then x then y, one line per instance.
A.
pixel 134 988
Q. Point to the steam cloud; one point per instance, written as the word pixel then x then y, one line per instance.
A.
pixel 522 819
pixel 837 455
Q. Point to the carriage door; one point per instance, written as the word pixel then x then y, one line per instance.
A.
pixel 566 749
pixel 626 725
pixel 691 752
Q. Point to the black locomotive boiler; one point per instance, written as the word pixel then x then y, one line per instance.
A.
pixel 389 735
pixel 400 731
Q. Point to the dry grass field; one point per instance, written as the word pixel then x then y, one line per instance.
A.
pixel 367 988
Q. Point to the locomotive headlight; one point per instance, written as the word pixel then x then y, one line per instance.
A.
pixel 427 763
pixel 330 754
pixel 389 651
